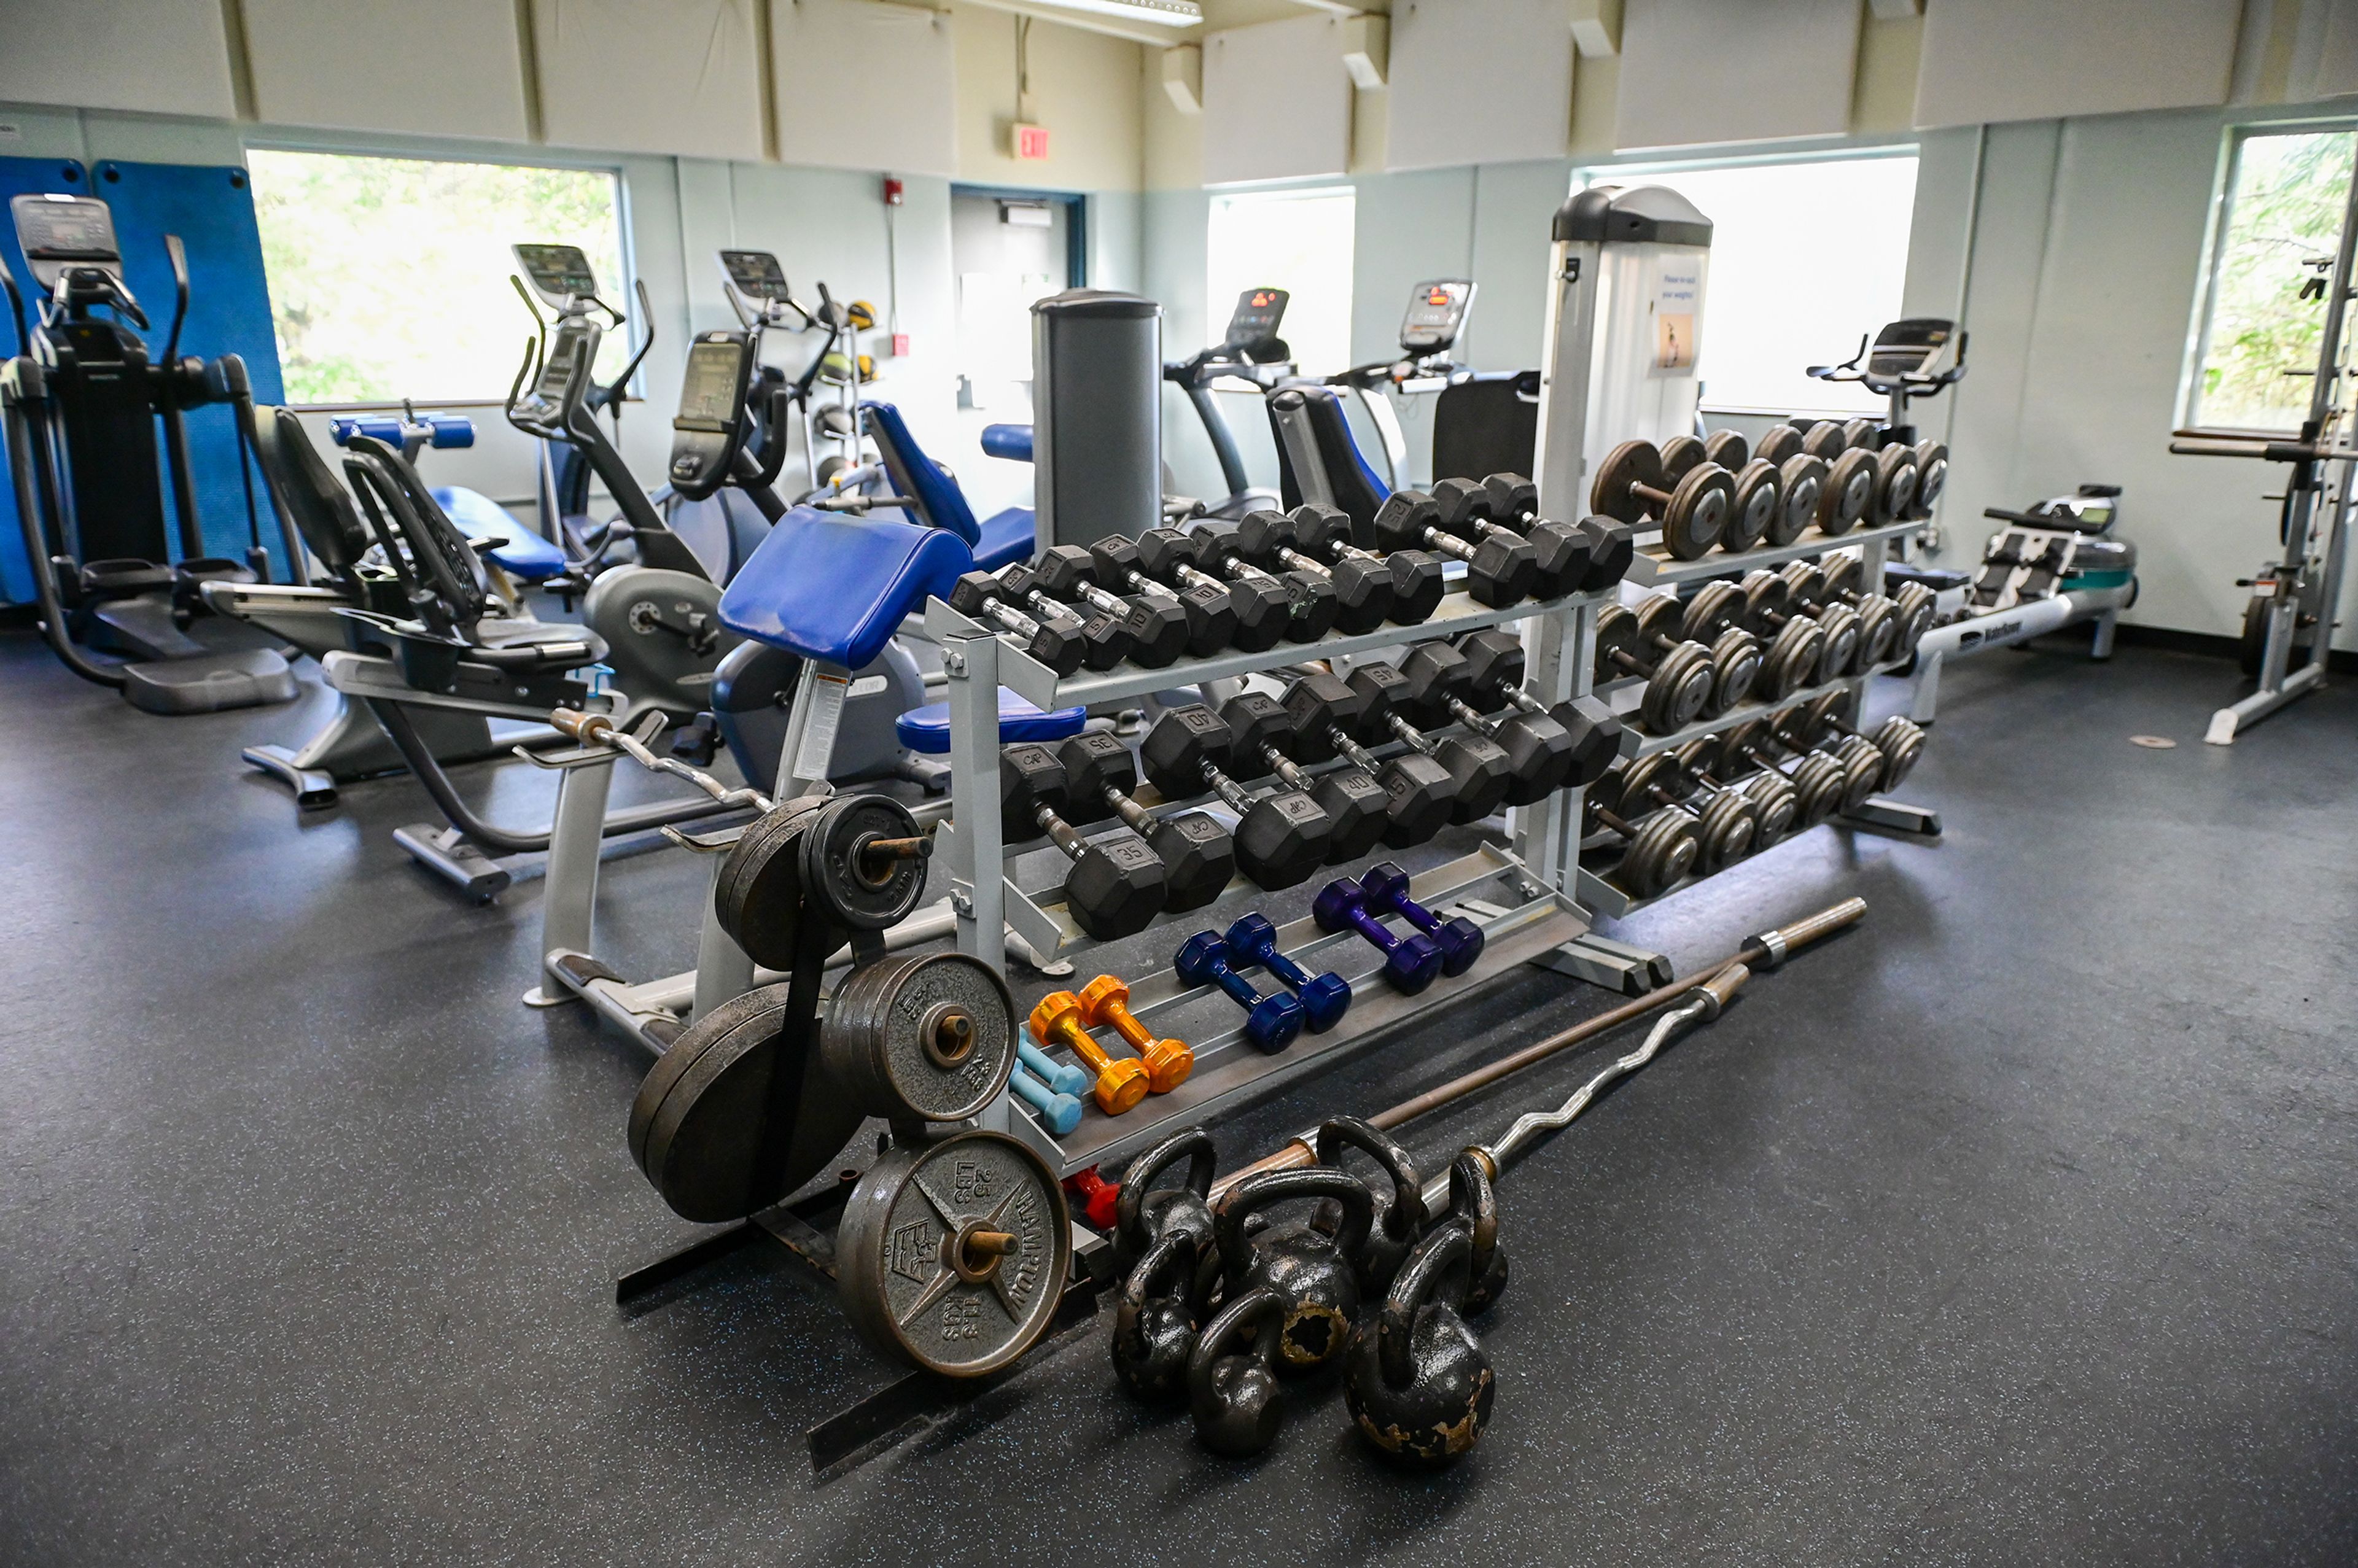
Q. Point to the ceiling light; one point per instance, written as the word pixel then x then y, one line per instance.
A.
pixel 1169 13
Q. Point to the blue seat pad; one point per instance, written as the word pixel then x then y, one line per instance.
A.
pixel 835 589
pixel 1012 442
pixel 1007 537
pixel 927 729
pixel 525 554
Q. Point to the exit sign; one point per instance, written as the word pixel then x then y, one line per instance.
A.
pixel 1031 143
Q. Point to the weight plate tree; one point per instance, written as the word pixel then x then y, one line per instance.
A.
pixel 953 1255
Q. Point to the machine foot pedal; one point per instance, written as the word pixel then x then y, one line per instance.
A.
pixel 212 683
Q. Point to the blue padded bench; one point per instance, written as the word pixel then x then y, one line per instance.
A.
pixel 927 729
pixel 1007 537
pixel 834 588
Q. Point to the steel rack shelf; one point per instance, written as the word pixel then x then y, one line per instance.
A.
pixel 1655 567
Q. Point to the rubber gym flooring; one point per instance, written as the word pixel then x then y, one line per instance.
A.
pixel 2015 1225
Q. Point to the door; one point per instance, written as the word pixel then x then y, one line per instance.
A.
pixel 1006 251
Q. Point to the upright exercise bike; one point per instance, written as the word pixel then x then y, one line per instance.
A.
pixel 81 401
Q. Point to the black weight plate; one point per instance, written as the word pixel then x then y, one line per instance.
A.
pixel 1916 606
pixel 1804 481
pixel 1680 455
pixel 925 1039
pixel 862 893
pixel 912 1286
pixel 758 895
pixel 1840 624
pixel 1727 448
pixel 1630 463
pixel 1791 662
pixel 1723 831
pixel 702 1115
pixel 1698 510
pixel 1753 507
pixel 1679 690
pixel 1781 442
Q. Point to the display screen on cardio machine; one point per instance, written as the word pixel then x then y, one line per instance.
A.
pixel 710 393
pixel 565 360
pixel 756 274
pixel 1436 315
pixel 57 232
pixel 558 272
pixel 1259 314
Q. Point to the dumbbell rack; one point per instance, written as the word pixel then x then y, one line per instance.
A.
pixel 1655 567
pixel 1519 891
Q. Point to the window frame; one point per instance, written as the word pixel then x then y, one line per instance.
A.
pixel 327 145
pixel 2232 141
pixel 1636 167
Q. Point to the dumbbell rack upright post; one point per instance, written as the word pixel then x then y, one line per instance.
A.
pixel 1519 891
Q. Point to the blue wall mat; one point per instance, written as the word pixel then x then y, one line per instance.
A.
pixel 211 208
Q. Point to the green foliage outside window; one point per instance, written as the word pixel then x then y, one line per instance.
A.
pixel 2284 207
pixel 389 277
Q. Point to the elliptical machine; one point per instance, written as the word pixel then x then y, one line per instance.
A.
pixel 81 400
pixel 1249 351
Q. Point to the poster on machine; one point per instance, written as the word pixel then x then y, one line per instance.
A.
pixel 1678 293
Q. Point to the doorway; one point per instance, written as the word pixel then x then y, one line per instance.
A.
pixel 1008 249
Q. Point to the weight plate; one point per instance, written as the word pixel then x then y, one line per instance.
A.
pixel 1863 435
pixel 1716 607
pixel 1753 507
pixel 1766 598
pixel 1605 793
pixel 1735 743
pixel 953 1255
pixel 1807 582
pixel 1780 443
pixel 1723 831
pixel 1654 781
pixel 1630 463
pixel 1862 767
pixel 1915 604
pixel 1901 743
pixel 1699 756
pixel 1932 474
pixel 862 892
pixel 1825 439
pixel 1680 455
pixel 925 1039
pixel 1678 689
pixel 758 896
pixel 1814 721
pixel 701 1127
pixel 1698 511
pixel 1728 448
pixel 1894 483
pixel 1659 615
pixel 1773 797
pixel 1617 632
pixel 1849 491
pixel 1791 662
pixel 1878 628
pixel 1804 478
pixel 1736 668
pixel 1665 848
pixel 1841 572
pixel 1817 787
pixel 1840 624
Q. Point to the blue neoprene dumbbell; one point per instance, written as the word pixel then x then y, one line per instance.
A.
pixel 1062 1078
pixel 1059 1113
pixel 1271 1023
pixel 1459 939
pixel 1324 997
pixel 1410 962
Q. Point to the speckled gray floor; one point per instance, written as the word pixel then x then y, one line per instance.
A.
pixel 2016 1227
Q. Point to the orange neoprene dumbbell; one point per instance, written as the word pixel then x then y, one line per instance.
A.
pixel 1121 1080
pixel 1105 1004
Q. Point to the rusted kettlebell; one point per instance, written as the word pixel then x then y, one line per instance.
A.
pixel 1416 1383
pixel 1313 1273
pixel 1233 1395
pixel 1146 1212
pixel 1399 1218
pixel 1473 1200
pixel 1163 1300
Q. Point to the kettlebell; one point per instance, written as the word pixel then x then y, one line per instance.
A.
pixel 1234 1397
pixel 1475 1200
pixel 1415 1382
pixel 1155 1320
pixel 1145 1212
pixel 1311 1273
pixel 1400 1218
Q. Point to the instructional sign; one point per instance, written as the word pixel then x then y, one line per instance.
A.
pixel 1678 294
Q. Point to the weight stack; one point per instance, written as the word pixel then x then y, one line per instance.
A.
pixel 1096 415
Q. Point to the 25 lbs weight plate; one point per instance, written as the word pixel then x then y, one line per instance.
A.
pixel 952 1255
pixel 921 1039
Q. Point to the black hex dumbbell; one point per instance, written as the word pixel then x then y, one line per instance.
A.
pixel 1116 885
pixel 1353 801
pixel 1612 545
pixel 1419 580
pixel 1281 837
pixel 1538 750
pixel 1199 857
pixel 1419 790
pixel 1499 568
pixel 1056 644
pixel 1157 623
pixel 1211 618
pixel 1105 640
pixel 1560 551
pixel 1495 660
pixel 1363 587
pixel 1311 604
pixel 1479 772
pixel 1262 607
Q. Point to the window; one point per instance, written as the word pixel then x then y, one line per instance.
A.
pixel 2259 337
pixel 389 277
pixel 1805 258
pixel 1299 240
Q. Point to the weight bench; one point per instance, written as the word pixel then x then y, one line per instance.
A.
pixel 936 501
